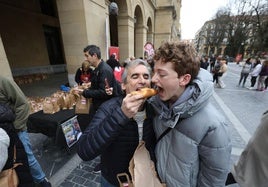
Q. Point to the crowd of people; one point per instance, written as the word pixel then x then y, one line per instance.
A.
pixel 255 68
pixel 187 147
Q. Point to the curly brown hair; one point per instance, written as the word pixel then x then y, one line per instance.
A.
pixel 183 56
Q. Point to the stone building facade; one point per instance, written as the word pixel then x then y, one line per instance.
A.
pixel 48 36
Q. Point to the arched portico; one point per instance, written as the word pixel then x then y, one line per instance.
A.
pixel 139 32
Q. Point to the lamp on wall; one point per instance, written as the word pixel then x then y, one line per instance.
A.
pixel 113 9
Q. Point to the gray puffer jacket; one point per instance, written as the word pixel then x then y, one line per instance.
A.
pixel 196 152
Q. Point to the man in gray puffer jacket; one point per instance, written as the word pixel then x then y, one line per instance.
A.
pixel 197 149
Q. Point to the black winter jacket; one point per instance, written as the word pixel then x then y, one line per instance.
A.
pixel 6 122
pixel 97 89
pixel 115 137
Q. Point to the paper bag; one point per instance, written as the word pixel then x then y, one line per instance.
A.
pixel 48 106
pixel 142 169
pixel 83 105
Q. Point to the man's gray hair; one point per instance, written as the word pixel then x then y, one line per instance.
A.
pixel 135 63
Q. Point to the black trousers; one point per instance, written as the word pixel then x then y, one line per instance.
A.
pixel 253 81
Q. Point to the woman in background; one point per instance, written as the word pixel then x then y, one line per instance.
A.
pixel 262 76
pixel 83 74
pixel 246 68
pixel 255 73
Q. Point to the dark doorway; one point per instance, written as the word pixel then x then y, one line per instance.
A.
pixel 113 30
pixel 54 47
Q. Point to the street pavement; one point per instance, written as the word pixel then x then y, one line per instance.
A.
pixel 243 108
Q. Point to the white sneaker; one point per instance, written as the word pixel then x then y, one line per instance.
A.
pixel 251 88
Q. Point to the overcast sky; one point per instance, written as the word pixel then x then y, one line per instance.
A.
pixel 194 13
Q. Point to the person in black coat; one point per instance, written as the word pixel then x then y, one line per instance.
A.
pixel 119 125
pixel 112 62
pixel 101 73
pixel 204 63
pixel 6 119
pixel 101 77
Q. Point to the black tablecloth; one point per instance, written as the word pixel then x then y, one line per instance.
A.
pixel 48 124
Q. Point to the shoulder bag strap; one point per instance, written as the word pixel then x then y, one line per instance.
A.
pixel 15 158
pixel 163 134
pixel 166 131
pixel 14 154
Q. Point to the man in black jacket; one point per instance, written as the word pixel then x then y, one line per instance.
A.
pixel 101 76
pixel 101 72
pixel 119 125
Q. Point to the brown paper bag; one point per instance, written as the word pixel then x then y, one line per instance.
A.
pixel 48 106
pixel 142 169
pixel 83 105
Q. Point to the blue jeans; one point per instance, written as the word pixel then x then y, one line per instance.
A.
pixel 36 170
pixel 105 183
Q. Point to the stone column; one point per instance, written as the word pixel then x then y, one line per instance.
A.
pixel 164 25
pixel 74 36
pixel 140 40
pixel 125 36
pixel 82 23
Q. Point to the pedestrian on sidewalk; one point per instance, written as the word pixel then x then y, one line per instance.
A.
pixel 266 83
pixel 119 125
pixel 12 95
pixel 251 169
pixel 246 69
pixel 212 62
pixel 204 62
pixel 220 73
pixel 196 150
pixel 255 73
pixel 262 76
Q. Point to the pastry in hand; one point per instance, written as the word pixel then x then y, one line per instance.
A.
pixel 145 92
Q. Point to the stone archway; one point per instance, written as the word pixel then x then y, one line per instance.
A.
pixel 149 31
pixel 139 32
